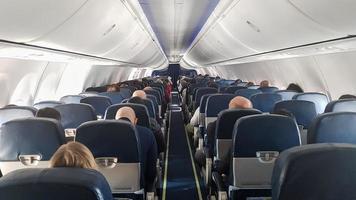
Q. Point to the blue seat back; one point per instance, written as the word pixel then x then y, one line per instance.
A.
pixel 16 112
pixel 343 105
pixel 47 104
pixel 115 97
pixel 233 89
pixel 140 111
pixel 268 89
pixel 216 103
pixel 320 171
pixel 286 94
pixel 99 103
pixel 253 87
pixel 148 104
pixel 265 102
pixel 303 111
pixel 71 98
pixel 154 101
pixel 55 184
pixel 201 92
pixel 247 93
pixel 338 127
pixel 203 101
pixel 73 115
pixel 320 100
pixel 156 94
pixel 126 92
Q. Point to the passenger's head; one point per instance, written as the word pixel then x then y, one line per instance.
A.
pixel 264 83
pixel 126 113
pixel 148 88
pixel 249 84
pixel 112 88
pixel 347 96
pixel 49 113
pixel 240 102
pixel 213 85
pixel 73 154
pixel 139 93
pixel 295 87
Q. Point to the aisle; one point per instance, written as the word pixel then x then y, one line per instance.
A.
pixel 181 179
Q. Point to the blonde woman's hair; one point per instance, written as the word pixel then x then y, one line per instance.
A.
pixel 73 154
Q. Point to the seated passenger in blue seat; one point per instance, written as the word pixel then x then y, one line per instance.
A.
pixel 49 113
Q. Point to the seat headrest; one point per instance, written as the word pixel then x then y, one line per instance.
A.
pixel 265 101
pixel 247 93
pixel 233 89
pixel 16 112
pixel 318 171
pixel 71 98
pixel 203 101
pixel 115 97
pixel 126 92
pixel 29 136
pixel 268 89
pixel 73 115
pixel 110 138
pixel 140 111
pixel 47 104
pixel 226 121
pixel 203 91
pixel 320 99
pixel 264 133
pixel 286 94
pixel 216 103
pixel 342 105
pixel 303 111
pixel 55 183
pixel 100 103
pixel 339 127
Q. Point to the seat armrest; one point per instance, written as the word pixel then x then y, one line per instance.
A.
pixel 220 186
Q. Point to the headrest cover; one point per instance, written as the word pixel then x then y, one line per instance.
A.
pixel 110 138
pixel 287 94
pixel 100 103
pixel 226 121
pixel 73 115
pixel 337 127
pixel 343 105
pixel 47 104
pixel 303 111
pixel 29 136
pixel 320 100
pixel 55 184
pixel 247 93
pixel 72 98
pixel 217 103
pixel 140 111
pixel 265 101
pixel 264 133
pixel 319 171
pixel 16 112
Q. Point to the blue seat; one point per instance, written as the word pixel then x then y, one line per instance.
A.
pixel 268 89
pixel 47 104
pixel 146 102
pixel 126 92
pixel 73 115
pixel 23 142
pixel 16 112
pixel 55 184
pixel 338 127
pixel 115 140
pixel 99 103
pixel 140 111
pixel 247 93
pixel 71 98
pixel 257 141
pixel 318 171
pixel 342 105
pixel 233 89
pixel 320 100
pixel 215 104
pixel 222 89
pixel 265 101
pixel 115 97
pixel 201 92
pixel 156 94
pixel 286 94
pixel 253 87
pixel 155 103
pixel 303 111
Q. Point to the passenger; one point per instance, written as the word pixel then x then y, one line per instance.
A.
pixel 264 83
pixel 139 93
pixel 347 96
pixel 49 113
pixel 73 154
pixel 295 87
pixel 238 102
pixel 147 142
pixel 250 83
pixel 112 88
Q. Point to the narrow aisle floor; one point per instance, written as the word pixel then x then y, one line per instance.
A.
pixel 181 178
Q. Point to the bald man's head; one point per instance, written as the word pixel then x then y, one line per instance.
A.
pixel 128 113
pixel 148 88
pixel 240 103
pixel 139 93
